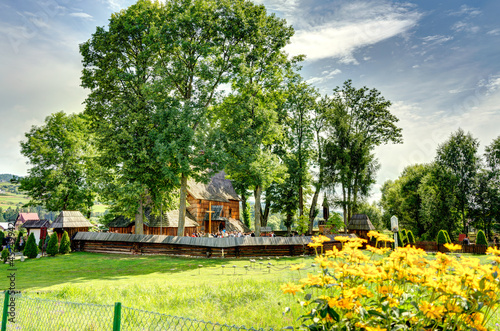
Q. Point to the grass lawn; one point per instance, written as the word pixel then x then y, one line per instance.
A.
pixel 187 287
pixel 171 285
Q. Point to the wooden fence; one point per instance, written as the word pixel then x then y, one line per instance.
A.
pixel 432 246
pixel 199 247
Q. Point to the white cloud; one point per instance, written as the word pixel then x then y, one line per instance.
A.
pixel 494 32
pixel 354 26
pixel 466 11
pixel 325 75
pixel 462 26
pixel 436 39
pixel 84 16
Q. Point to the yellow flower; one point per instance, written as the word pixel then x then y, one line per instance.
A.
pixel 312 280
pixel 374 328
pixel 315 245
pixel 493 251
pixel 291 288
pixel 341 238
pixel 323 262
pixel 297 266
pixel 320 239
pixel 453 247
pixel 431 311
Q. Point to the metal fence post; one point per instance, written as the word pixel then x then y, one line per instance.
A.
pixel 118 316
pixel 5 310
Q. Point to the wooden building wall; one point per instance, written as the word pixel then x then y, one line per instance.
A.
pixel 198 208
pixel 166 231
pixel 71 232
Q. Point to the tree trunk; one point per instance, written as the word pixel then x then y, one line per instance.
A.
pixel 257 193
pixel 313 208
pixel 301 200
pixel 289 223
pixel 264 217
pixel 244 209
pixel 139 227
pixel 182 206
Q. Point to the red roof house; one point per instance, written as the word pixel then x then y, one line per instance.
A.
pixel 23 217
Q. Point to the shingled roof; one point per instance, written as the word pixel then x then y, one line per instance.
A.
pixel 70 219
pixel 218 189
pixel 36 224
pixel 360 222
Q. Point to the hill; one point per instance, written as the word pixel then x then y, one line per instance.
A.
pixel 6 177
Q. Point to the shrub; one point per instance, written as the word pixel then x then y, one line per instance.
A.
pixel 5 255
pixel 481 238
pixel 17 243
pixel 64 247
pixel 401 239
pixel 342 298
pixel 411 238
pixel 2 237
pixel 31 250
pixel 52 246
pixel 441 238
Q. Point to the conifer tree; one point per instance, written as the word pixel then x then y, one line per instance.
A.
pixel 481 238
pixel 441 238
pixel 17 243
pixel 31 250
pixel 52 247
pixel 411 238
pixel 64 247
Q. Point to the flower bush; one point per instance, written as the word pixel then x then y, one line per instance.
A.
pixel 403 289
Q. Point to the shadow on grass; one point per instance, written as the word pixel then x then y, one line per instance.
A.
pixel 84 267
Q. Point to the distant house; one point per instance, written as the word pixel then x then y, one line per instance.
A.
pixel 35 227
pixel 71 222
pixel 4 226
pixel 360 225
pixel 218 193
pixel 24 217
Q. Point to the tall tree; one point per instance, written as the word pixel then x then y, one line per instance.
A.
pixel 357 121
pixel 248 117
pixel 59 153
pixel 119 67
pixel 458 155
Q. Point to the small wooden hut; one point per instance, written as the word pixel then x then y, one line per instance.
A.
pixel 24 217
pixel 37 227
pixel 360 225
pixel 71 222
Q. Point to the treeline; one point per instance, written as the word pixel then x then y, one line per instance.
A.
pixel 10 214
pixel 6 177
pixel 181 90
pixel 460 189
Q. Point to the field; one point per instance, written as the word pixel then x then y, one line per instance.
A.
pixel 216 290
pixel 12 200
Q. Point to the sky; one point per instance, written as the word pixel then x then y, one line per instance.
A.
pixel 438 62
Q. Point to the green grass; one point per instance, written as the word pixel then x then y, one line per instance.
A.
pixel 170 285
pixel 12 200
pixel 187 287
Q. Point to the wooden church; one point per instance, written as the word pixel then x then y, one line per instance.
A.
pixel 218 194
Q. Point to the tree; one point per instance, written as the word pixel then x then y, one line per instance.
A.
pixel 459 156
pixel 65 246
pixel 59 154
pixel 248 117
pixel 17 243
pixel 373 213
pixel 481 238
pixel 357 120
pixel 52 246
pixel 31 250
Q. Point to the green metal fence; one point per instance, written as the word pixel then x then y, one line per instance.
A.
pixel 41 314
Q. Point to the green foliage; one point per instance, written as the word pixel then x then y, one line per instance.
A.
pixel 17 243
pixel 31 250
pixel 5 255
pixel 357 120
pixel 402 240
pixel 52 246
pixel 40 245
pixel 411 238
pixel 441 238
pixel 302 225
pixel 59 154
pixel 65 246
pixel 481 238
pixel 2 237
pixel 448 240
pixel 336 221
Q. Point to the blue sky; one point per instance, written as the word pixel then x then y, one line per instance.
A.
pixel 437 61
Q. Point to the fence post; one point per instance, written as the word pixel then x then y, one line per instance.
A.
pixel 118 316
pixel 5 310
